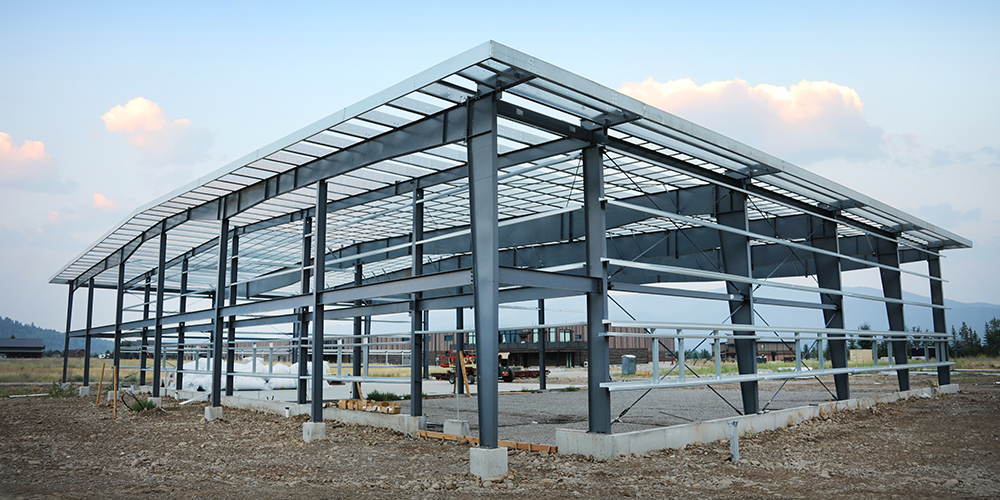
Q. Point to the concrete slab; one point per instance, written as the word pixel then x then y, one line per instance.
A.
pixel 157 401
pixel 213 413
pixel 488 462
pixel 313 431
pixel 609 446
pixel 83 391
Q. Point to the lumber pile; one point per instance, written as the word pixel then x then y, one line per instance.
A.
pixel 387 407
pixel 510 445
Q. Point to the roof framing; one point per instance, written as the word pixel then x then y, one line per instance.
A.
pixel 376 152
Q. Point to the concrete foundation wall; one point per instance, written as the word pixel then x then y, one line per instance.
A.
pixel 400 423
pixel 608 446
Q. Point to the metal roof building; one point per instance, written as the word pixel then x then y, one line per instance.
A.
pixel 497 177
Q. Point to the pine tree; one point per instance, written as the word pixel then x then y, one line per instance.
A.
pixel 969 341
pixel 992 334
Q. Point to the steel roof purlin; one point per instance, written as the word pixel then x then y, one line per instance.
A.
pixel 547 114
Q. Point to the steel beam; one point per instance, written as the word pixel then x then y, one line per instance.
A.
pixel 892 288
pixel 444 127
pixel 828 274
pixel 937 297
pixel 731 206
pixel 158 332
pixel 220 301
pixel 482 151
pixel 319 284
pixel 598 351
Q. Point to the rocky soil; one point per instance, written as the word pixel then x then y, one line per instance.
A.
pixel 945 447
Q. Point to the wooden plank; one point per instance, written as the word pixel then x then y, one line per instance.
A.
pixel 465 376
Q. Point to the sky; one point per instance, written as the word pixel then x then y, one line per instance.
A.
pixel 105 107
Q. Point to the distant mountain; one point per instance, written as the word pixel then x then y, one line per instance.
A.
pixel 54 341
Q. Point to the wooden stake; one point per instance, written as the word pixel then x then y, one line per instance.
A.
pixel 360 394
pixel 114 412
pixel 100 385
pixel 465 376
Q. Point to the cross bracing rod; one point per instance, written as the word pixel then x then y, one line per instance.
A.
pixel 725 327
pixel 716 276
pixel 688 251
pixel 675 292
pixel 761 237
pixel 732 379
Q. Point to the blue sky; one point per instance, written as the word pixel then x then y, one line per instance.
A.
pixel 222 79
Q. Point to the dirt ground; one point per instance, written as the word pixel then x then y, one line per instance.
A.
pixel 945 447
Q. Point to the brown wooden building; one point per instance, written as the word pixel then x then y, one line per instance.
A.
pixel 565 345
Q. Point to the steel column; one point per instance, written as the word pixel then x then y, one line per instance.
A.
pixel 145 332
pixel 180 326
pixel 937 298
pixel 220 301
pixel 426 322
pixel 90 324
pixel 542 338
pixel 319 285
pixel 731 210
pixel 459 347
pixel 892 288
pixel 416 318
pixel 69 328
pixel 358 327
pixel 302 326
pixel 119 309
pixel 161 270
pixel 482 151
pixel 598 352
pixel 828 273
pixel 231 337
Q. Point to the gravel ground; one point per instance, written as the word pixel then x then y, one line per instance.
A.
pixel 534 417
pixel 944 447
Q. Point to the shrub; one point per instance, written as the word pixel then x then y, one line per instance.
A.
pixel 57 391
pixel 384 396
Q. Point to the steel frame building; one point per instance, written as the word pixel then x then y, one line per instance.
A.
pixel 495 177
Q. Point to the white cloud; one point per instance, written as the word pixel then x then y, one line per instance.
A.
pixel 28 166
pixel 100 201
pixel 153 133
pixel 806 122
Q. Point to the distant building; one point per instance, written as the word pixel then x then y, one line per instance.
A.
pixel 566 345
pixel 22 348
pixel 773 350
pixel 76 353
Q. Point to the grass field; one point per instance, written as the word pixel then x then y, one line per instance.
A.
pixel 47 370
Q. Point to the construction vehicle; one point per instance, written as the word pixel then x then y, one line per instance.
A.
pixel 505 372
